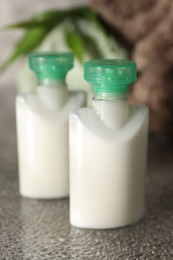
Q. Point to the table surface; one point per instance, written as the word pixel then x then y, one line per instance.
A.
pixel 37 229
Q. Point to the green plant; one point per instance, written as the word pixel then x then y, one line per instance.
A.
pixel 36 30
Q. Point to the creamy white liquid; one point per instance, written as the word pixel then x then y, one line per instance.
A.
pixel 42 131
pixel 107 167
pixel 113 114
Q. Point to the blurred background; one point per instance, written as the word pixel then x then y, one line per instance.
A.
pixel 13 11
pixel 139 30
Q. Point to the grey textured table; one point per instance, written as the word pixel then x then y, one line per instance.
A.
pixel 32 229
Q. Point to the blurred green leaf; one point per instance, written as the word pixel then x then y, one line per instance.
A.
pixel 31 39
pixel 55 17
pixel 40 25
pixel 91 46
pixel 75 43
pixel 92 17
pixel 50 19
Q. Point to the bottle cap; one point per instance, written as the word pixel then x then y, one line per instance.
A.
pixel 110 76
pixel 51 65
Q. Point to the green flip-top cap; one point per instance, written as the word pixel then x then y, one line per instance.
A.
pixel 110 76
pixel 51 65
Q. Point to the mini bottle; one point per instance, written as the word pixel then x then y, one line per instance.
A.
pixel 108 150
pixel 42 128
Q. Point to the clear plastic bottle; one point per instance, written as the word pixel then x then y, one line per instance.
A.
pixel 42 128
pixel 108 150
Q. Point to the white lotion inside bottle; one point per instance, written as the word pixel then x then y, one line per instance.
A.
pixel 108 151
pixel 42 128
pixel 113 110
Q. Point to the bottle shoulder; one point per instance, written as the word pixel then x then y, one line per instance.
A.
pixel 141 110
pixel 87 118
pixel 24 95
pixel 81 111
pixel 70 95
pixel 141 107
pixel 50 106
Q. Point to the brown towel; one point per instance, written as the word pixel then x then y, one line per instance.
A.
pixel 147 27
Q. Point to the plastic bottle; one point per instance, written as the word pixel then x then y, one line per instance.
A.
pixel 42 128
pixel 108 150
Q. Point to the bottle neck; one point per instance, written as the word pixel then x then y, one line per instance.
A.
pixel 112 108
pixel 52 93
pixel 110 97
pixel 51 83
